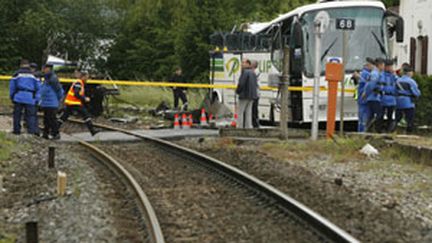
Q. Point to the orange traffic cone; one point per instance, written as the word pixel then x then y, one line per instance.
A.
pixel 234 121
pixel 176 122
pixel 185 123
pixel 203 120
pixel 190 121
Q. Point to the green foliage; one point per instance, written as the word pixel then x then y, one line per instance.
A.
pixel 151 97
pixel 390 3
pixel 6 146
pixel 157 35
pixel 33 29
pixel 150 37
pixel 424 104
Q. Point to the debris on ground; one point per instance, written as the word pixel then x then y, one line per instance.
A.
pixel 369 150
pixel 125 119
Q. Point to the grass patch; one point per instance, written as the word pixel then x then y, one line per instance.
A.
pixel 7 238
pixel 343 151
pixel 400 157
pixel 6 146
pixel 151 97
pixel 422 141
pixel 76 179
pixel 4 94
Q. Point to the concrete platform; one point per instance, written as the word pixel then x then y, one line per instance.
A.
pixel 264 133
pixel 107 136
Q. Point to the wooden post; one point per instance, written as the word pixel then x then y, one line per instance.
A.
pixel 32 232
pixel 284 95
pixel 51 157
pixel 61 183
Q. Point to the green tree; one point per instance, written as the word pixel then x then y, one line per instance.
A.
pixel 33 29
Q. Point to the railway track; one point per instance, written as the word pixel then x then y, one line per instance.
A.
pixel 266 194
pixel 115 166
pixel 151 220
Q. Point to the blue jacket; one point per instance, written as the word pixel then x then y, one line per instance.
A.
pixel 388 82
pixel 51 91
pixel 24 88
pixel 407 90
pixel 373 88
pixel 365 75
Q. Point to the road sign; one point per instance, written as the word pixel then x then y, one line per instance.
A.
pixel 345 24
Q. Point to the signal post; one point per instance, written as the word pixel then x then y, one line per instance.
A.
pixel 334 75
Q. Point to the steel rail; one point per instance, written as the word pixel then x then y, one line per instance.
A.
pixel 144 204
pixel 320 224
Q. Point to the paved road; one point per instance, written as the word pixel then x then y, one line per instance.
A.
pixel 120 137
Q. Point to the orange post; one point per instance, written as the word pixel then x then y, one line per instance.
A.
pixel 334 74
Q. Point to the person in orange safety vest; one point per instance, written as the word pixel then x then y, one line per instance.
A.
pixel 75 102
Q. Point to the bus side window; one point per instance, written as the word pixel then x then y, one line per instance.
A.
pixel 286 30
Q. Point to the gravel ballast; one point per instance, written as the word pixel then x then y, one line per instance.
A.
pixel 374 200
pixel 194 205
pixel 97 207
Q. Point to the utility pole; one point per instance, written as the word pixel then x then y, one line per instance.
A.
pixel 342 101
pixel 321 23
pixel 317 76
pixel 284 96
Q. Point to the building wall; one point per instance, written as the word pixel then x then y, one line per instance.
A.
pixel 417 16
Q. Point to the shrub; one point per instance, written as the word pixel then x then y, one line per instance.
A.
pixel 424 104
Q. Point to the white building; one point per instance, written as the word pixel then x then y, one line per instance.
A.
pixel 417 15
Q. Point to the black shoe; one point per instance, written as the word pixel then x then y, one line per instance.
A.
pixel 94 132
pixel 56 137
pixel 45 136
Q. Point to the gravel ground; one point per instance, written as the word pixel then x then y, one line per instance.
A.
pixel 5 123
pixel 374 200
pixel 4 109
pixel 196 206
pixel 97 207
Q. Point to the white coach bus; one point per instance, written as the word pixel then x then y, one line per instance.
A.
pixel 368 28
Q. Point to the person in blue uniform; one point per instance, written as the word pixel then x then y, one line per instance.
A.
pixel 363 110
pixel 51 97
pixel 373 96
pixel 24 93
pixel 388 101
pixel 407 91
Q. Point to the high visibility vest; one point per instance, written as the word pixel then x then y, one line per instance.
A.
pixel 70 97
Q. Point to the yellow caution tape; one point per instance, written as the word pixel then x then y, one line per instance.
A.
pixel 182 85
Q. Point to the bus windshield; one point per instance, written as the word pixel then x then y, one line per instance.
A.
pixel 368 39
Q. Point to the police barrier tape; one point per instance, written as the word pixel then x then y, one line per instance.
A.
pixel 181 85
